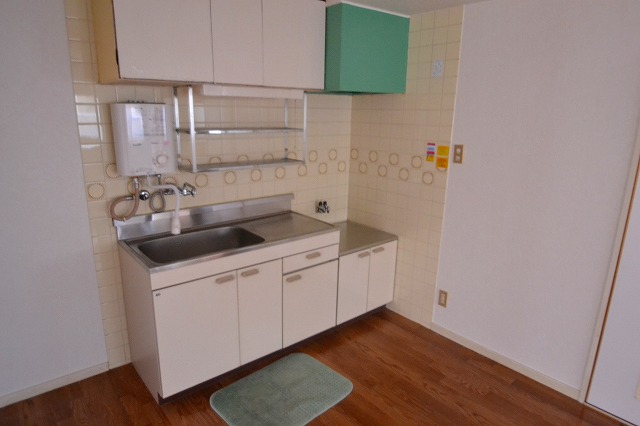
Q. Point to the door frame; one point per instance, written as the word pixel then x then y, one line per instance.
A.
pixel 632 183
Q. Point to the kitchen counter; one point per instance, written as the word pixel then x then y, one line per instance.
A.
pixel 355 237
pixel 268 218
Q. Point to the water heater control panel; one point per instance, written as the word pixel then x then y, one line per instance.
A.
pixel 144 138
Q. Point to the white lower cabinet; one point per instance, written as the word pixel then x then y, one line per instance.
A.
pixel 366 280
pixel 353 284
pixel 191 324
pixel 260 310
pixel 382 275
pixel 309 301
pixel 197 331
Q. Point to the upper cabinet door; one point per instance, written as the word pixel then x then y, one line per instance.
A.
pixel 164 39
pixel 293 39
pixel 366 50
pixel 236 29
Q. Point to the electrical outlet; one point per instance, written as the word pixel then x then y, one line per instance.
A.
pixel 458 151
pixel 442 298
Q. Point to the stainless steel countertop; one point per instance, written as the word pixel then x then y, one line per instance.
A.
pixel 355 237
pixel 275 229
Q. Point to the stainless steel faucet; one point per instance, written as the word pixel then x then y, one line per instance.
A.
pixel 188 189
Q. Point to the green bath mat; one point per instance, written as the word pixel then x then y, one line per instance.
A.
pixel 290 392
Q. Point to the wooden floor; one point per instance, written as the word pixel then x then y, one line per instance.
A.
pixel 402 374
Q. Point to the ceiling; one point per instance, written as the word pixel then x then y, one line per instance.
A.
pixel 408 7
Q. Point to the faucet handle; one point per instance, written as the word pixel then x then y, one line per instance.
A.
pixel 188 189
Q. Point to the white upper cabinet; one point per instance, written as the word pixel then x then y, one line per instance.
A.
pixel 273 43
pixel 165 40
pixel 236 28
pixel 293 39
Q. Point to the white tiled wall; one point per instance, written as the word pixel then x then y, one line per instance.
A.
pixel 325 176
pixel 391 186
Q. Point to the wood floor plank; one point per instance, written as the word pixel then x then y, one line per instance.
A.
pixel 403 374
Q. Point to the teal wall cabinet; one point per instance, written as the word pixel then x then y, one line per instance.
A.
pixel 366 50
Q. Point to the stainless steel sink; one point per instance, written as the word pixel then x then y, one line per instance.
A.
pixel 175 248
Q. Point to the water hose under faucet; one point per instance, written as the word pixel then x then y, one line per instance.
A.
pixel 134 208
pixel 175 220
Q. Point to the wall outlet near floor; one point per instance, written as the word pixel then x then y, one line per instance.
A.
pixel 442 298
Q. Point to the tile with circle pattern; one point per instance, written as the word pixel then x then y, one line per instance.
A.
pixel 112 171
pixel 202 180
pixel 230 177
pixel 427 178
pixel 95 191
pixel 403 174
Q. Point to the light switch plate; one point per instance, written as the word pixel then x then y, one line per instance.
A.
pixel 442 298
pixel 458 153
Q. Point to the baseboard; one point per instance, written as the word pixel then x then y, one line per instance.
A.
pixel 32 391
pixel 507 362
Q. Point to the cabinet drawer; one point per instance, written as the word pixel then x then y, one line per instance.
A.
pixel 309 258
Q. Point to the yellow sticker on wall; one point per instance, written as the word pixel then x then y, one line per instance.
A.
pixel 443 150
pixel 442 163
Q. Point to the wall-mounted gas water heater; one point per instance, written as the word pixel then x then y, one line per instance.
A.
pixel 143 134
pixel 144 139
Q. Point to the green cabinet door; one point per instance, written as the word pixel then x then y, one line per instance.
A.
pixel 366 50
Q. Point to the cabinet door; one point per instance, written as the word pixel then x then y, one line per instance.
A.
pixel 260 310
pixel 293 41
pixel 236 29
pixel 309 302
pixel 382 274
pixel 353 281
pixel 164 39
pixel 366 50
pixel 197 327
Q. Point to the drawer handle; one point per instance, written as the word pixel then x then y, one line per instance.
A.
pixel 294 278
pixel 250 272
pixel 225 279
pixel 363 254
pixel 378 249
pixel 314 255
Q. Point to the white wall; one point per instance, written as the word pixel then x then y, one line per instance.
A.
pixel 50 324
pixel 547 108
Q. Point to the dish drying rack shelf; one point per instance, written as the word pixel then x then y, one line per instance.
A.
pixel 192 131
